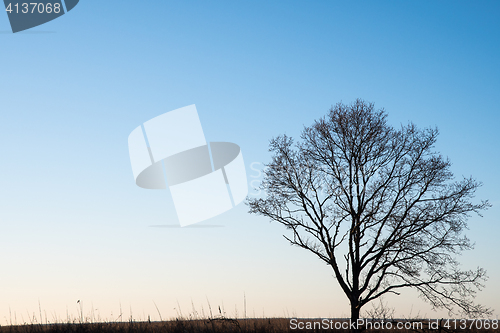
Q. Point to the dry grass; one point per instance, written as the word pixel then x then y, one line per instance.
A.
pixel 214 325
pixel 174 326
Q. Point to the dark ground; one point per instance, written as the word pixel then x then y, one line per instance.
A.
pixel 273 325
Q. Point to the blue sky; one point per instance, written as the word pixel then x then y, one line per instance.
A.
pixel 76 227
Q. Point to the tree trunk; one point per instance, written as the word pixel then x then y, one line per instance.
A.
pixel 354 317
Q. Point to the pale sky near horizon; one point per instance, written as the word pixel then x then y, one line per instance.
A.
pixel 76 227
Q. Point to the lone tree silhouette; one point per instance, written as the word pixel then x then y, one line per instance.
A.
pixel 378 205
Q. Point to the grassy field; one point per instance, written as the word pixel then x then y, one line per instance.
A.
pixel 273 325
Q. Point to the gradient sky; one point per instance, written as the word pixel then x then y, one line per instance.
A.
pixel 76 227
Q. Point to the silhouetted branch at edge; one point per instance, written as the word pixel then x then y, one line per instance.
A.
pixel 378 205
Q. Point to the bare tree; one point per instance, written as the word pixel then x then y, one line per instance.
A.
pixel 378 205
